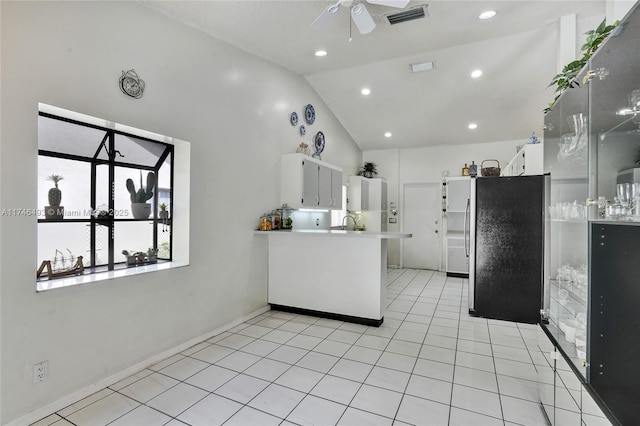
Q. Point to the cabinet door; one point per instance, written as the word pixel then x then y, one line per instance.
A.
pixel 457 260
pixel 457 194
pixel 383 194
pixel 336 189
pixel 365 195
pixel 324 186
pixel 354 193
pixel 310 184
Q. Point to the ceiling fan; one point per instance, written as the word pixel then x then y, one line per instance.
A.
pixel 359 13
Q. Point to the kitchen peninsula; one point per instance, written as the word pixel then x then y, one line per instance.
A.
pixel 330 273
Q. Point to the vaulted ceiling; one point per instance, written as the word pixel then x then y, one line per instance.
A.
pixel 517 50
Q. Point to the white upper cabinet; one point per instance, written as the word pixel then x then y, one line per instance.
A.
pixel 310 183
pixel 528 161
pixel 336 189
pixel 354 193
pixel 367 194
pixel 457 194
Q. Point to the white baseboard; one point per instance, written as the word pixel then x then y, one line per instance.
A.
pixel 63 402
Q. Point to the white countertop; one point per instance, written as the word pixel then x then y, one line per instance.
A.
pixel 337 233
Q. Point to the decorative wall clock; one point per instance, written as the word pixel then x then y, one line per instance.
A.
pixel 131 84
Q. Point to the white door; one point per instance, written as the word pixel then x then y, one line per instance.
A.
pixel 422 215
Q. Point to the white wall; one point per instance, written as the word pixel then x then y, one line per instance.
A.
pixel 423 165
pixel 234 109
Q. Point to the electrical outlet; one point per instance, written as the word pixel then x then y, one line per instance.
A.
pixel 40 371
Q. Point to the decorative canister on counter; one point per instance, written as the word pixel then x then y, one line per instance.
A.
pixel 265 222
pixel 465 170
pixel 286 222
pixel 275 220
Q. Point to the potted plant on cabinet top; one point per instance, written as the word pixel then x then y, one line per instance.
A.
pixel 139 206
pixel 54 211
pixel 368 170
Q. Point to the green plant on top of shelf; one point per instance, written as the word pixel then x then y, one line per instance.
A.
pixel 566 79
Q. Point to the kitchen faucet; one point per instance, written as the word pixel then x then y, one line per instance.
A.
pixel 355 225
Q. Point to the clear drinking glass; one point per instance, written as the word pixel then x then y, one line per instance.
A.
pixel 624 194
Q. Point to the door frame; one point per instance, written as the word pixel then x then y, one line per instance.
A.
pixel 428 183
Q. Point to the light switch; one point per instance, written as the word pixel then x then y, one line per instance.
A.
pixel 393 220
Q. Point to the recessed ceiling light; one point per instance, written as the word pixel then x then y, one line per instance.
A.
pixel 366 91
pixel 476 73
pixel 472 126
pixel 321 53
pixel 488 14
pixel 387 135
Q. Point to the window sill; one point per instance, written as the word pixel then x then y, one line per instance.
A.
pixel 46 285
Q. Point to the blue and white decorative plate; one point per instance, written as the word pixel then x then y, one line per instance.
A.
pixel 294 118
pixel 303 130
pixel 309 114
pixel 318 142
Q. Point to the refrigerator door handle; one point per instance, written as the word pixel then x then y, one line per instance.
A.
pixel 466 218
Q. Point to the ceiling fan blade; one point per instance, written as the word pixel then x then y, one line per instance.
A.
pixel 362 19
pixel 391 3
pixel 325 17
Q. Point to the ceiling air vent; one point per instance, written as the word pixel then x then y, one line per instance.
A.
pixel 408 15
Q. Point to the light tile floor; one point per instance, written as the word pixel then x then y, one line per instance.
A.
pixel 430 363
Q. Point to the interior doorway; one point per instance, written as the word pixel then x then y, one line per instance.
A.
pixel 422 205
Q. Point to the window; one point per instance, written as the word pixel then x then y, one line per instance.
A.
pixel 100 190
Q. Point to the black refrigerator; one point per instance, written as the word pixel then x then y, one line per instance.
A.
pixel 505 247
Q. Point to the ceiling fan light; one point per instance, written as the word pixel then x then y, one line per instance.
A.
pixel 361 17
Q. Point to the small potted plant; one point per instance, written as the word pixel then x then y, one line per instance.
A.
pixel 163 214
pixel 139 206
pixel 54 211
pixel 141 258
pixel 368 170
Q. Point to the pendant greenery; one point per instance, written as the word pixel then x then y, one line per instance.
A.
pixel 566 79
